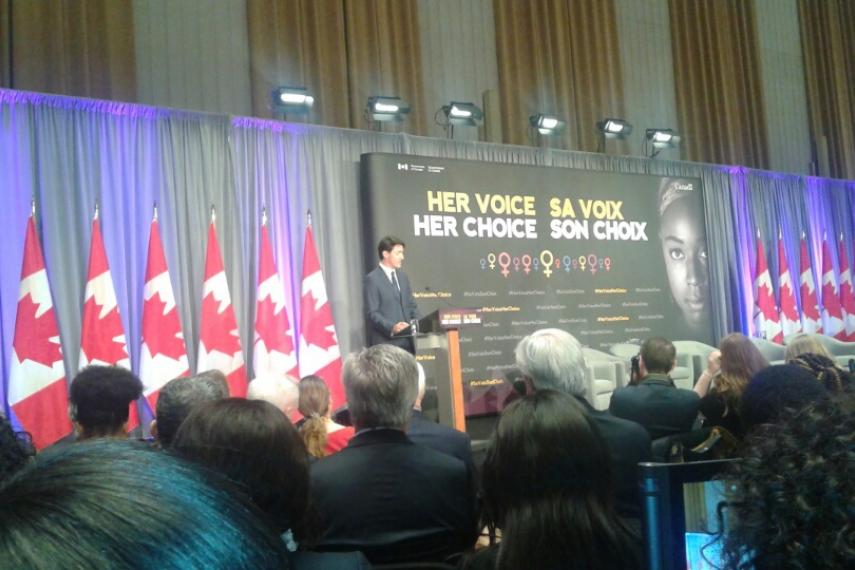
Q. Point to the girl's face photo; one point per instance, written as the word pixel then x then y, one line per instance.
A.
pixel 684 249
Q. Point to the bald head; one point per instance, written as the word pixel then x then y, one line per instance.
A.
pixel 281 391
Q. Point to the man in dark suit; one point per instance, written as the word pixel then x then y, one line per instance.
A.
pixel 384 495
pixel 655 403
pixel 389 302
pixel 553 359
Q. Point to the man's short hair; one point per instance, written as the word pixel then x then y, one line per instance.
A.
pixel 388 243
pixel 658 354
pixel 281 391
pixel 553 359
pixel 179 396
pixel 381 383
pixel 100 396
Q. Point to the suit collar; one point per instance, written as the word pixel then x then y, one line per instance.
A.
pixel 659 379
pixel 378 435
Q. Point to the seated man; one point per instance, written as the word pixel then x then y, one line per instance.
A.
pixel 655 402
pixel 178 398
pixel 384 495
pixel 553 359
pixel 282 392
pixel 99 401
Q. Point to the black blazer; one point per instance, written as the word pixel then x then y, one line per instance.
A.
pixel 394 500
pixel 449 441
pixel 384 307
pixel 657 405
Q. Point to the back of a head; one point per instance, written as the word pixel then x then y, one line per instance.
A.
pixel 776 391
pixel 805 343
pixel 553 359
pixel 281 391
pixel 381 384
pixel 15 449
pixel 256 446
pixel 112 504
pixel 179 396
pixel 740 359
pixel 658 354
pixel 547 483
pixel 314 405
pixel 826 371
pixel 792 494
pixel 100 396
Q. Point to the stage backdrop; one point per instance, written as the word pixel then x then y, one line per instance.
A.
pixel 608 257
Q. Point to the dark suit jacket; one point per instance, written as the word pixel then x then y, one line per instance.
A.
pixel 657 405
pixel 449 441
pixel 628 445
pixel 384 308
pixel 327 561
pixel 394 500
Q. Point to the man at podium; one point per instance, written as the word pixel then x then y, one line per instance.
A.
pixel 390 308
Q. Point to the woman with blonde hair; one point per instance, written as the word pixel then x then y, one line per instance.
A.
pixel 806 351
pixel 721 385
pixel 805 343
pixel 320 433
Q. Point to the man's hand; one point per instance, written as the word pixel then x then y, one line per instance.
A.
pixel 399 327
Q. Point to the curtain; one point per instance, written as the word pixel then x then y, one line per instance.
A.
pixel 74 48
pixel 560 57
pixel 718 82
pixel 828 48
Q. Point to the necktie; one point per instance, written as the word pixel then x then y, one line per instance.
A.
pixel 395 282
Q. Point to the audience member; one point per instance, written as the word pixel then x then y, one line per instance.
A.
pixel 281 391
pixel 655 402
pixel 720 386
pixel 15 449
pixel 423 431
pixel 791 504
pixel 547 484
pixel 179 396
pixel 805 343
pixel 777 392
pixel 834 378
pixel 111 504
pixel 320 433
pixel 553 359
pixel 99 401
pixel 393 500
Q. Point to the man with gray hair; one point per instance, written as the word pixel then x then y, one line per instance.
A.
pixel 384 495
pixel 552 359
pixel 281 391
pixel 178 398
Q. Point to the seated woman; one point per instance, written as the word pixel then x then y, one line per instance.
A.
pixel 320 433
pixel 721 385
pixel 257 447
pixel 548 486
pixel 805 351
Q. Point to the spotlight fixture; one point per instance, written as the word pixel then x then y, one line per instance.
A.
pixel 295 100
pixel 547 124
pixel 462 114
pixel 614 128
pixel 383 109
pixel 657 139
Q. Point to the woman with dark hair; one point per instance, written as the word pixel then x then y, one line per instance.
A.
pixel 257 447
pixel 16 450
pixel 320 433
pixel 720 386
pixel 794 491
pixel 548 485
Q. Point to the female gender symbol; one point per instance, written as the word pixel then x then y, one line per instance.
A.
pixel 516 263
pixel 483 263
pixel 582 262
pixel 505 262
pixel 608 263
pixel 567 261
pixel 535 263
pixel 491 259
pixel 526 261
pixel 592 261
pixel 546 258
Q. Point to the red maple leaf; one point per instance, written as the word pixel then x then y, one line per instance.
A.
pixel 161 331
pixel 99 334
pixel 273 328
pixel 33 334
pixel 219 330
pixel 315 331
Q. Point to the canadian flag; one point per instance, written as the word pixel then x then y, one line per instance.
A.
pixel 38 393
pixel 163 355
pixel 847 295
pixel 811 322
pixel 274 354
pixel 219 341
pixel 767 322
pixel 319 352
pixel 832 313
pixel 102 339
pixel 790 323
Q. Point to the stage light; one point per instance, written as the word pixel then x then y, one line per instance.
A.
pixel 657 139
pixel 614 128
pixel 292 100
pixel 462 114
pixel 382 109
pixel 547 124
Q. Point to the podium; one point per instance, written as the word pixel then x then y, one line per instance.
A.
pixel 438 342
